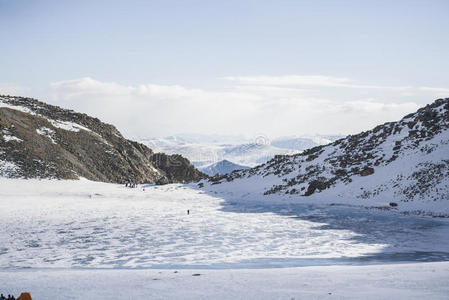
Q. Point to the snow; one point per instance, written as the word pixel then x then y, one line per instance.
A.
pixel 7 167
pixel 405 281
pixel 66 125
pixel 221 167
pixel 16 107
pixel 7 136
pixel 102 225
pixel 64 224
pixel 45 131
pixel 85 240
pixel 396 181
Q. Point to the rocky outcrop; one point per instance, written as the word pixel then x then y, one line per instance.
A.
pixel 38 140
pixel 175 167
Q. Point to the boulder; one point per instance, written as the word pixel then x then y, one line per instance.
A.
pixel 367 171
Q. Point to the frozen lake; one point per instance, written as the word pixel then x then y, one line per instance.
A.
pixel 81 224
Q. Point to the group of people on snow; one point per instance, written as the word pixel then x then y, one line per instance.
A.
pixel 129 183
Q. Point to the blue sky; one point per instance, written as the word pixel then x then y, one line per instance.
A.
pixel 213 58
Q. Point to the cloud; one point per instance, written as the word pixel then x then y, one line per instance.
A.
pixel 151 109
pixel 12 89
pixel 439 92
pixel 307 80
pixel 155 110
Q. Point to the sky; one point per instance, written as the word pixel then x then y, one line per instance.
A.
pixel 246 67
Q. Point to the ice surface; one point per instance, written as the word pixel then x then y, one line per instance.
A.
pixel 49 224
pixel 87 240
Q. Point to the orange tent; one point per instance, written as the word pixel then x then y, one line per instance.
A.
pixel 24 296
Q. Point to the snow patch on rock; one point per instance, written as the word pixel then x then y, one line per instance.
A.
pixel 45 131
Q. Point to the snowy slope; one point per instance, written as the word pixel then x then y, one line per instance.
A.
pixel 406 162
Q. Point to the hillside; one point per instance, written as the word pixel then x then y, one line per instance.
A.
pixel 405 162
pixel 38 140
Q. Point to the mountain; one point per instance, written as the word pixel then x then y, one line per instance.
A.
pixel 44 141
pixel 222 167
pixel 404 162
pixel 204 150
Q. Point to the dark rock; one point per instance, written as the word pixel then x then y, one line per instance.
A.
pixel 311 157
pixel 340 172
pixel 314 185
pixel 367 171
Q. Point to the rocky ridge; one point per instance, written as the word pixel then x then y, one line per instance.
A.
pixel 38 140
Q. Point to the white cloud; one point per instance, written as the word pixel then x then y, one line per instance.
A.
pixel 154 110
pixel 289 80
pixel 307 80
pixel 439 92
pixel 12 89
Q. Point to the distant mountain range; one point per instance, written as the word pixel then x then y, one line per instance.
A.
pixel 204 151
pixel 221 168
pixel 38 140
pixel 402 165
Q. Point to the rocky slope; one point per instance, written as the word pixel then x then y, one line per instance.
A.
pixel 38 140
pixel 405 162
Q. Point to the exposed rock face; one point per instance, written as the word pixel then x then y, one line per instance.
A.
pixel 38 140
pixel 175 167
pixel 405 160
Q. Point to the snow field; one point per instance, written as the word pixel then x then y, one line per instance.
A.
pixel 401 281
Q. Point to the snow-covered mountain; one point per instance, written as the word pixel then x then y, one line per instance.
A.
pixel 403 164
pixel 222 167
pixel 204 150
